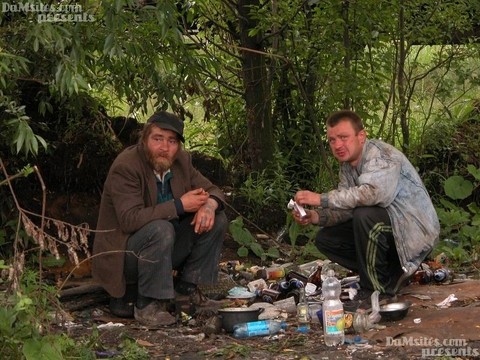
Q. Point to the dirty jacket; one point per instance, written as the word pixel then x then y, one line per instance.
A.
pixel 129 201
pixel 384 177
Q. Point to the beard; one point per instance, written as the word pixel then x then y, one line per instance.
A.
pixel 159 163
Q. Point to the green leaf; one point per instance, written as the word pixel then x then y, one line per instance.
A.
pixel 453 218
pixel 458 188
pixel 448 204
pixel 36 45
pixel 22 132
pixel 242 251
pixel 474 171
pixel 474 208
pixel 273 253
pixel 42 141
pixel 258 250
pixel 239 233
pixel 476 221
pixel 39 349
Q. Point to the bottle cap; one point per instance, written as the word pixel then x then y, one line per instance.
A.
pixel 303 329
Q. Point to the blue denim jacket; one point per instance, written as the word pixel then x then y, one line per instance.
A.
pixel 384 177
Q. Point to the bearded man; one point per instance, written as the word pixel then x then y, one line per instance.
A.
pixel 158 216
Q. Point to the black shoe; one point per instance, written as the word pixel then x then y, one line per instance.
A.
pixel 121 307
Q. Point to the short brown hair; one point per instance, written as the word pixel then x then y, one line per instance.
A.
pixel 348 115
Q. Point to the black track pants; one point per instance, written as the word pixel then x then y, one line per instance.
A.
pixel 366 246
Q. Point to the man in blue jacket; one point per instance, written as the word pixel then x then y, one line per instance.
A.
pixel 380 221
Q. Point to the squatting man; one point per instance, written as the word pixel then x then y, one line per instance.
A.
pixel 380 221
pixel 158 216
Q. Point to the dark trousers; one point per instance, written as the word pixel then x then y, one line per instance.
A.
pixel 160 247
pixel 365 245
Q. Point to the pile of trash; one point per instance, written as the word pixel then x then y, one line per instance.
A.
pixel 280 284
pixel 277 289
pixel 277 283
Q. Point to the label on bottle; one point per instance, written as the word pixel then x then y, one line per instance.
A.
pixel 334 322
pixel 257 328
pixel 302 313
pixel 275 273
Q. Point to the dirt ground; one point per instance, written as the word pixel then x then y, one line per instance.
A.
pixel 426 331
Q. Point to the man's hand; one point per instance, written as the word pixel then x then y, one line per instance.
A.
pixel 311 217
pixel 205 217
pixel 194 200
pixel 306 197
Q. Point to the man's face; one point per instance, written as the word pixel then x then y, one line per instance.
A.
pixel 345 143
pixel 162 147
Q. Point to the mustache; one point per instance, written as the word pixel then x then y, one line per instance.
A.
pixel 160 162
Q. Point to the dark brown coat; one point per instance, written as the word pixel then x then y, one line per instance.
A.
pixel 129 201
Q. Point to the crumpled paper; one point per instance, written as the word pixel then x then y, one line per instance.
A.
pixel 110 325
pixel 447 302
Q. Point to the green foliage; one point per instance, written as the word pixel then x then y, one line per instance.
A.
pixel 25 327
pixel 130 350
pixel 271 188
pixel 11 65
pixel 309 232
pixel 24 324
pixel 460 225
pixel 16 130
pixel 248 242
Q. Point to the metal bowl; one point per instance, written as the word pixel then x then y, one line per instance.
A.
pixel 394 311
pixel 237 315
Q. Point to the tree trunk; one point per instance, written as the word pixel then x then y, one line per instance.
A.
pixel 401 80
pixel 256 90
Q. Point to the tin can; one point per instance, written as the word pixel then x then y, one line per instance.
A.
pixel 296 284
pixel 296 275
pixel 441 275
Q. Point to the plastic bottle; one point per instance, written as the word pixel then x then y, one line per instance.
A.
pixel 303 315
pixel 362 321
pixel 258 328
pixel 332 308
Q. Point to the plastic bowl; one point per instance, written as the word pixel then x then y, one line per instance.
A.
pixel 394 311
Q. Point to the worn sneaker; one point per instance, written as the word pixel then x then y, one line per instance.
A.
pixel 154 314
